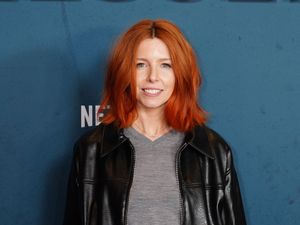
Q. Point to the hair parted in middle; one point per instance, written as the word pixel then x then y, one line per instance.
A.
pixel 182 111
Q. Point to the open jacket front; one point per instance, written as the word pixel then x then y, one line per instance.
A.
pixel 102 174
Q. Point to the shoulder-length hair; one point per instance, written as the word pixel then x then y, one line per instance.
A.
pixel 182 111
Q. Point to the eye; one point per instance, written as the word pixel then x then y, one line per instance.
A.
pixel 140 65
pixel 166 65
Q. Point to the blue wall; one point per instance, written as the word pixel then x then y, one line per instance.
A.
pixel 52 58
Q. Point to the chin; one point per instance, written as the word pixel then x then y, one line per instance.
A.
pixel 151 105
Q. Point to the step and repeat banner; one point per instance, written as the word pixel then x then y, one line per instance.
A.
pixel 52 63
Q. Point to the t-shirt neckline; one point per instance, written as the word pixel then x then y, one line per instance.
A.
pixel 137 134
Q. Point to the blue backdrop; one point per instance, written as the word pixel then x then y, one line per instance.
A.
pixel 52 60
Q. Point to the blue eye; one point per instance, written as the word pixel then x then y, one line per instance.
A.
pixel 140 65
pixel 166 65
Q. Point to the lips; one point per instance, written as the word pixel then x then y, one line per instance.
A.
pixel 152 91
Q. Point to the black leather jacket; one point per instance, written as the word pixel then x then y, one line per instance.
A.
pixel 103 168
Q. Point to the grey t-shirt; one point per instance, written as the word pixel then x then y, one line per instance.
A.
pixel 154 196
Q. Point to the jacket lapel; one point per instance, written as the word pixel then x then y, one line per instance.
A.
pixel 198 139
pixel 112 137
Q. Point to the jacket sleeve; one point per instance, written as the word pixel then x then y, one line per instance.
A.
pixel 234 210
pixel 72 207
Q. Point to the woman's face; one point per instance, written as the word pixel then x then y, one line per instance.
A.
pixel 155 77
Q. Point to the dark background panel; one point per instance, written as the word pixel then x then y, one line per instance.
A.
pixel 52 61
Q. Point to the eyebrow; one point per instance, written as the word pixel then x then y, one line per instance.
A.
pixel 161 59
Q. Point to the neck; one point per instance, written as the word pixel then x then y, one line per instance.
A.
pixel 151 124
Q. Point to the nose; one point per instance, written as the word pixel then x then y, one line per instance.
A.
pixel 153 74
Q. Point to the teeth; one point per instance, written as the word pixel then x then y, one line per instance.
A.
pixel 152 91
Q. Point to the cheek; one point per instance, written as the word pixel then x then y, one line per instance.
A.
pixel 171 81
pixel 138 80
pixel 140 77
pixel 172 87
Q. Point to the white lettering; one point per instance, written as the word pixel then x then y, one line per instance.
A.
pixel 89 115
pixel 86 116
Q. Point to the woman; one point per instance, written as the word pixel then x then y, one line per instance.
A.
pixel 152 160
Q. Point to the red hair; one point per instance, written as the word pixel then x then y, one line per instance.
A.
pixel 182 111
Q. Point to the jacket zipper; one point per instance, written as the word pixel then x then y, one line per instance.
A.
pixel 130 182
pixel 177 169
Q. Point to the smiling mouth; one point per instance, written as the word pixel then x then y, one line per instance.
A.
pixel 152 91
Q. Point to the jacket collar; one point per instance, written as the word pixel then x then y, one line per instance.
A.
pixel 198 139
pixel 112 137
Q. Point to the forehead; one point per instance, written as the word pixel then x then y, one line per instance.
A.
pixel 152 47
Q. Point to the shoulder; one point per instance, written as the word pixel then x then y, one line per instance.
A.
pixel 92 136
pixel 218 145
pixel 214 138
pixel 100 139
pixel 89 141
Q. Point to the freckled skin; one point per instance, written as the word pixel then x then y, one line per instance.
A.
pixel 153 71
